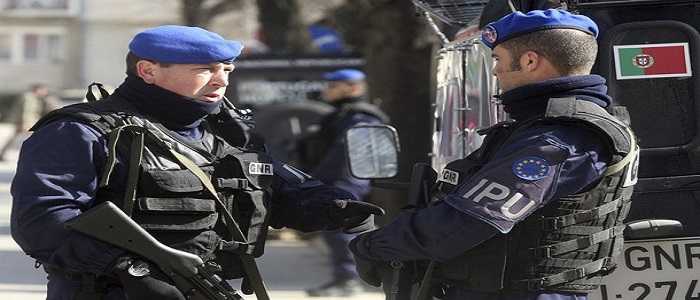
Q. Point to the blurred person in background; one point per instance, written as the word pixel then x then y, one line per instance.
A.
pixel 325 151
pixel 28 109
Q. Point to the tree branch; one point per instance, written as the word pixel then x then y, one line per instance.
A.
pixel 222 7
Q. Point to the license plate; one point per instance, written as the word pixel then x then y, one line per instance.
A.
pixel 664 269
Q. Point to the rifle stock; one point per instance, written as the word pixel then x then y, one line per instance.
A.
pixel 108 223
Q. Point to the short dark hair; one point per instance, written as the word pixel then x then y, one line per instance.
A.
pixel 570 51
pixel 132 59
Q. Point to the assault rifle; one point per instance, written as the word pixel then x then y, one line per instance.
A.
pixel 108 223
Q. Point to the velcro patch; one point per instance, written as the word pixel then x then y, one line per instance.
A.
pixel 449 176
pixel 260 169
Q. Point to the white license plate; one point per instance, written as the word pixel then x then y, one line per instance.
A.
pixel 667 269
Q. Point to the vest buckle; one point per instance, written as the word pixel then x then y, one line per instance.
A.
pixel 232 183
pixel 551 224
pixel 608 265
pixel 543 252
pixel 233 246
pixel 537 284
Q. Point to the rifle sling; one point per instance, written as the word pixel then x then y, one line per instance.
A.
pixel 133 171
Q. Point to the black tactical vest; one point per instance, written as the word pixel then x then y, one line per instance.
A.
pixel 566 245
pixel 166 198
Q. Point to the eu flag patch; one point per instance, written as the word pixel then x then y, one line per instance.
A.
pixel 531 168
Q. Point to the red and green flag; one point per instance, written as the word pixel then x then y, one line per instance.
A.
pixel 652 61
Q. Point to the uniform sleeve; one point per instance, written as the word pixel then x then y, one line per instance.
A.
pixel 302 202
pixel 333 168
pixel 523 177
pixel 56 180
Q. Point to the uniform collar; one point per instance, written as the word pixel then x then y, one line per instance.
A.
pixel 174 111
pixel 531 100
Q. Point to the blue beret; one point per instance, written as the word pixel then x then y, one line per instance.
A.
pixel 183 45
pixel 517 23
pixel 344 75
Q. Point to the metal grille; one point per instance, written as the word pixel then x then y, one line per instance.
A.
pixel 453 12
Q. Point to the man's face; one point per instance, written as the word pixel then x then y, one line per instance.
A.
pixel 508 76
pixel 205 82
pixel 336 90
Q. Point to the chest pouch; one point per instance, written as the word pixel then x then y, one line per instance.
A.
pixel 173 200
pixel 244 178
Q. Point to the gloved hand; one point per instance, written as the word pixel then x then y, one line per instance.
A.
pixel 144 281
pixel 370 271
pixel 354 216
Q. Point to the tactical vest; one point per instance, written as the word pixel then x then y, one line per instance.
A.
pixel 568 244
pixel 168 199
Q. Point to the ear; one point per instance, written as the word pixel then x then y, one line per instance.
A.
pixel 530 61
pixel 147 71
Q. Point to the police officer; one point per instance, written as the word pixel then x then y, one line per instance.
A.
pixel 141 148
pixel 346 92
pixel 536 212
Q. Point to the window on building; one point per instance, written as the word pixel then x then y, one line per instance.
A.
pixel 5 47
pixel 37 4
pixel 32 46
pixel 42 48
pixel 54 48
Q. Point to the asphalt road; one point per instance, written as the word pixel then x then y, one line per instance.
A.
pixel 288 267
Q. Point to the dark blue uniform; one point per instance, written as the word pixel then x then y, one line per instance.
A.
pixel 57 178
pixel 462 220
pixel 535 166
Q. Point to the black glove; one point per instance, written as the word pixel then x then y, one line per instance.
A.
pixel 143 280
pixel 354 216
pixel 370 271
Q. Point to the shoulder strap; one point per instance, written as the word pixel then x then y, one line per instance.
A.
pixel 572 109
pixel 135 158
pixel 618 131
pixel 90 96
pixel 103 115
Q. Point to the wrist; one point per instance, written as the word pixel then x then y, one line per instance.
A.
pixel 361 246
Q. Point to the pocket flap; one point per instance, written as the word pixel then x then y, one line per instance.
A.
pixel 182 205
pixel 174 180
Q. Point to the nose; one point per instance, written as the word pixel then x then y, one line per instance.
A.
pixel 220 79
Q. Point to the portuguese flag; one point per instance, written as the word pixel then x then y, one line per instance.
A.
pixel 652 61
